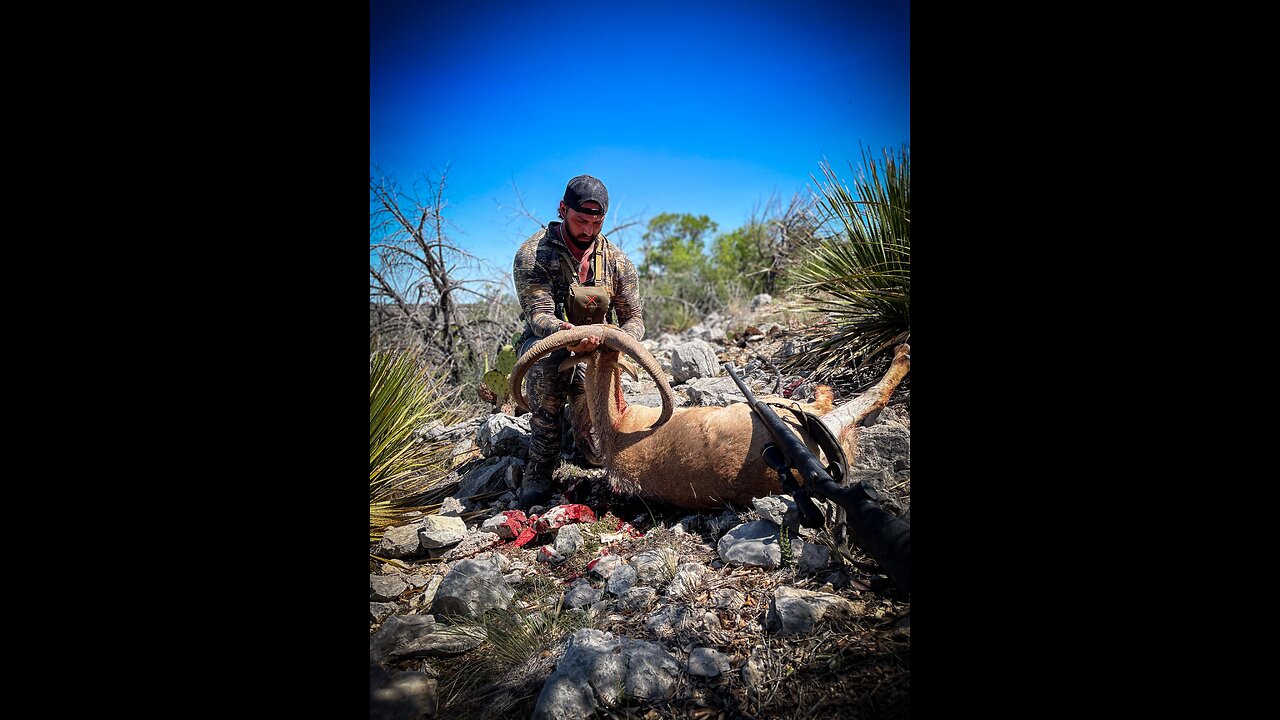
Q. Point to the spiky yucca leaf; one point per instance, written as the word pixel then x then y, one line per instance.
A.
pixel 403 398
pixel 859 275
pixel 515 634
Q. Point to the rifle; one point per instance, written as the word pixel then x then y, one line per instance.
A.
pixel 886 538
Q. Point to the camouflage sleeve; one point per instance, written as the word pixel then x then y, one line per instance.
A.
pixel 533 287
pixel 626 297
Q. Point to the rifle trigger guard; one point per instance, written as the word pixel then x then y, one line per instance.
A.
pixel 774 458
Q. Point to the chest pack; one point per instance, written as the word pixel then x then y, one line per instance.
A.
pixel 586 304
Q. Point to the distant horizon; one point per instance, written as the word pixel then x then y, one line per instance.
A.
pixel 673 116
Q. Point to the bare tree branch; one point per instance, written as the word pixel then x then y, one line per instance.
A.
pixel 417 286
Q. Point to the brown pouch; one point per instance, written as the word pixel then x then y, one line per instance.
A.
pixel 588 305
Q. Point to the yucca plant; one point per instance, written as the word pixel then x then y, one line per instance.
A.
pixel 403 470
pixel 517 634
pixel 859 273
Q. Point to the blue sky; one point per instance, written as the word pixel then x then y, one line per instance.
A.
pixel 692 107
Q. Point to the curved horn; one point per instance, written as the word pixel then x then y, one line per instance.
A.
pixel 542 348
pixel 622 342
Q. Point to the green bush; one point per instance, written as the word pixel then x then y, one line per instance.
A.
pixel 859 274
pixel 403 469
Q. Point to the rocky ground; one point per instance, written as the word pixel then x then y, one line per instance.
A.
pixel 604 606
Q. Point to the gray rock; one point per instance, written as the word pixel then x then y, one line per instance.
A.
pixel 793 611
pixel 489 476
pixel 499 525
pixel 761 300
pixel 471 588
pixel 621 579
pixel 882 446
pixel 428 594
pixel 398 631
pixel 694 359
pixel 440 641
pixel 385 588
pixel 655 567
pixel 757 543
pixel 400 542
pixel 814 558
pixel 437 531
pixel 566 694
pixel 651 670
pixel 618 670
pixel 581 594
pixel 604 566
pixel 637 598
pixel 451 506
pixel 779 510
pixel 473 542
pixel 654 399
pixel 705 332
pixel 569 540
pixel 463 430
pixel 407 695
pixel 707 662
pixel 598 670
pixel 380 610
pixel 672 620
pixel 896 414
pixel 501 434
pixel 717 392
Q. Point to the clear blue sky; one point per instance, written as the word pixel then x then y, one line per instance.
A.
pixel 686 107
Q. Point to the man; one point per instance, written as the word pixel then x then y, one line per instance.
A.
pixel 568 274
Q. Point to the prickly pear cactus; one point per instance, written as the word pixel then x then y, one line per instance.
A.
pixel 506 359
pixel 496 381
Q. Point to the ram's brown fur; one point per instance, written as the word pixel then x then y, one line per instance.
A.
pixel 701 458
pixel 693 457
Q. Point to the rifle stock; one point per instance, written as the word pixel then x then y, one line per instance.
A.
pixel 885 537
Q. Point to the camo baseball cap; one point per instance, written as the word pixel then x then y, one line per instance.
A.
pixel 584 188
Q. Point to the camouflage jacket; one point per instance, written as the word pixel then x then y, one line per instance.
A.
pixel 542 284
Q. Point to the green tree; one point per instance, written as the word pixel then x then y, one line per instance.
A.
pixel 673 271
pixel 756 258
pixel 675 244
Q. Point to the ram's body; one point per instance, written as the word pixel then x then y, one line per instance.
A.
pixel 698 458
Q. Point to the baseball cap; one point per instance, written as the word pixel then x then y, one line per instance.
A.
pixel 584 188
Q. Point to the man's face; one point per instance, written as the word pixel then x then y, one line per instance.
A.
pixel 582 227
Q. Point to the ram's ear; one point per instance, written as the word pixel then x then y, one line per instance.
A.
pixel 629 368
pixel 572 360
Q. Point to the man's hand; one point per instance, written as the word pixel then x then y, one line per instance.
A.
pixel 588 344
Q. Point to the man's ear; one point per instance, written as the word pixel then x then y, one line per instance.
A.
pixel 560 211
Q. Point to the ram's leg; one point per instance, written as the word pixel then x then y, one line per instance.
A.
pixel 844 419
